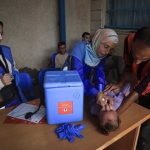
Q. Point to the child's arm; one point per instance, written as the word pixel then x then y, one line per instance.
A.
pixel 133 96
pixel 143 86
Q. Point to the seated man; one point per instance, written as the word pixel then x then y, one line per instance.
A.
pixel 58 59
pixel 10 79
pixel 86 37
pixel 58 62
pixel 108 118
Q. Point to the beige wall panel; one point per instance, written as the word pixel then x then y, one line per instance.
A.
pixel 78 14
pixel 31 30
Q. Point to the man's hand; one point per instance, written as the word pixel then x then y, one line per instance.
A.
pixel 112 87
pixel 6 79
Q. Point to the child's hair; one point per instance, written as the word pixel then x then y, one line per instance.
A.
pixel 85 33
pixel 110 126
pixel 143 35
pixel 1 23
pixel 61 43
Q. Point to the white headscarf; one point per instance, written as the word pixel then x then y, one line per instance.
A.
pixel 101 36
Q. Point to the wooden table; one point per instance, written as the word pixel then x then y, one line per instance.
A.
pixel 42 136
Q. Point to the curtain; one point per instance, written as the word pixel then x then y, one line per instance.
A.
pixel 128 13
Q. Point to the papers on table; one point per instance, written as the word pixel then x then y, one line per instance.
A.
pixel 20 111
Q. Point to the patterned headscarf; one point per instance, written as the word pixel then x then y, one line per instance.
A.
pixel 104 35
pixel 101 36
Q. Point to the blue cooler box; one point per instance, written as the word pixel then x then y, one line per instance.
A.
pixel 63 96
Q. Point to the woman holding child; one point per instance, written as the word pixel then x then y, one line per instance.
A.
pixel 88 59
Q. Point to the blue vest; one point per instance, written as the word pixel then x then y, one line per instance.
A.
pixel 85 71
pixel 8 55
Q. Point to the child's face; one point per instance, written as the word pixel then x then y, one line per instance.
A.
pixel 108 116
pixel 62 49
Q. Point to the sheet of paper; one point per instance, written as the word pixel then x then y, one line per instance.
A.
pixel 2 108
pixel 20 111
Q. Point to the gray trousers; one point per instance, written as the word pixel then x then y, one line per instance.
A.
pixel 144 136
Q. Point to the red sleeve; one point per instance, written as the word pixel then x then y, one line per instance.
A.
pixel 128 58
pixel 143 88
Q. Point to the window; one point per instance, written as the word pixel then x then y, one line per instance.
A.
pixel 127 14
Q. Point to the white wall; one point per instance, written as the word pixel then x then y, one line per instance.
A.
pixel 78 14
pixel 98 9
pixel 31 30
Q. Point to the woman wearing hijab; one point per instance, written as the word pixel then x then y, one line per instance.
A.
pixel 88 59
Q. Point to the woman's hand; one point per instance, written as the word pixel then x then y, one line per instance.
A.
pixel 101 99
pixel 6 79
pixel 106 102
pixel 112 87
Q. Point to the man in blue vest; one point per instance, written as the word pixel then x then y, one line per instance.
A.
pixel 10 79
